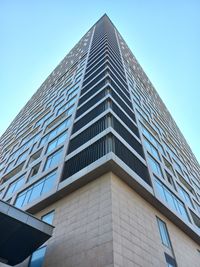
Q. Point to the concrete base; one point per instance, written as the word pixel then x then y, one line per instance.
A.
pixel 105 224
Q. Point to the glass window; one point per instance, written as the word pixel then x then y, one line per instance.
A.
pixel 54 122
pixel 48 218
pixel 155 166
pixel 170 179
pixel 67 105
pixel 42 120
pixel 72 94
pixel 178 167
pixel 56 142
pixel 70 111
pixel 53 159
pixel 48 184
pixel 168 197
pixel 185 196
pixel 151 149
pixel 34 170
pixel 170 200
pixel 160 190
pixel 170 261
pixel 65 124
pixel 71 102
pixel 196 220
pixel 10 166
pixel 37 257
pixel 15 186
pixel 151 138
pixel 2 165
pixel 36 190
pixel 22 157
pixel 168 165
pixel 164 233
pixel 58 105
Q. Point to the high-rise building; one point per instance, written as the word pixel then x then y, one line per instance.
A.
pixel 97 154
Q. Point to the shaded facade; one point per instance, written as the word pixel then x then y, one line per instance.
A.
pixel 96 148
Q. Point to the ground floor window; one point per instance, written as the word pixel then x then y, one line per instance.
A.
pixel 37 257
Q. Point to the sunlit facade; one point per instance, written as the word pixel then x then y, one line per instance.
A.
pixel 96 151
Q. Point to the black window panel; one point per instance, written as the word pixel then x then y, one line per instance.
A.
pixel 118 73
pixel 98 42
pixel 92 92
pixel 87 134
pixel 90 103
pixel 124 118
pixel 121 93
pixel 122 79
pixel 96 56
pixel 170 260
pixel 128 137
pixel 85 158
pixel 98 150
pixel 98 48
pixel 98 127
pixel 98 78
pixel 94 67
pixel 114 50
pixel 131 160
pixel 116 62
pixel 89 116
pixel 109 50
pixel 116 56
pixel 94 74
pixel 95 61
pixel 122 104
pixel 106 55
pixel 98 37
pixel 116 59
pixel 124 89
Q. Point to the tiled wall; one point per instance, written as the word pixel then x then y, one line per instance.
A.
pixel 105 223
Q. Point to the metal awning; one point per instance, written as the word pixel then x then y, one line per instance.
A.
pixel 20 234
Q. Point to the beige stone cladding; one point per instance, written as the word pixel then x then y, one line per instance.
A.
pixel 83 233
pixel 136 237
pixel 106 223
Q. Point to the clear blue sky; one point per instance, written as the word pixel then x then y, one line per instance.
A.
pixel 163 35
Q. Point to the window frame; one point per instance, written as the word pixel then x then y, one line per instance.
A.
pixel 163 226
pixel 43 257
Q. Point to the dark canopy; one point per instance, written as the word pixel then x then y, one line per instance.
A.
pixel 20 234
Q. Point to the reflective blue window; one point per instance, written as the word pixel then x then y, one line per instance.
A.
pixel 164 233
pixel 22 157
pixel 155 166
pixel 173 202
pixel 65 124
pixel 56 142
pixel 151 138
pixel 66 106
pixel 37 257
pixel 48 218
pixel 185 196
pixel 151 149
pixel 36 190
pixel 53 159
pixel 15 185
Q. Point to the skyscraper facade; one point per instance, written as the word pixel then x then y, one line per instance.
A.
pixel 96 153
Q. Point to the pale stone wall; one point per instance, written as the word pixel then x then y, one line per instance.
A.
pixel 107 224
pixel 83 233
pixel 136 237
